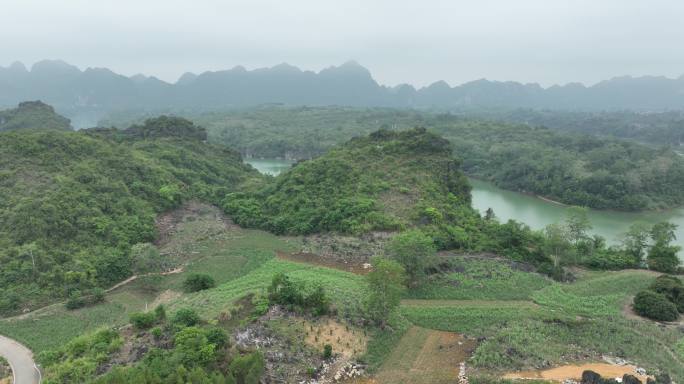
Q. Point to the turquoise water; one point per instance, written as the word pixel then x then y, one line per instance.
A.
pixel 271 167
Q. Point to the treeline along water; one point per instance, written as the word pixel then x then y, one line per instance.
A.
pixel 533 211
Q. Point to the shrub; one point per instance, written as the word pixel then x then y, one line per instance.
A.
pixel 655 306
pixel 247 369
pixel 317 301
pixel 143 320
pixel 75 301
pixel 672 288
pixel 327 351
pixel 160 312
pixel 156 333
pixel 186 317
pixel 218 337
pixel 98 296
pixel 198 282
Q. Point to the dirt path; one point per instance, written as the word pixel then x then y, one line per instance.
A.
pixel 20 359
pixel 134 277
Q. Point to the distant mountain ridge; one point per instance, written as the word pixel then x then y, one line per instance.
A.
pixel 70 89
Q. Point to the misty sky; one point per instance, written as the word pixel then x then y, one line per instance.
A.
pixel 417 42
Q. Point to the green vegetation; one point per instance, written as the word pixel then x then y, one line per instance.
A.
pixel 187 353
pixel 296 297
pixel 77 361
pixel 573 168
pixel 385 287
pixel 198 282
pixel 415 252
pixel 74 204
pixel 663 300
pixel 33 115
pixel 473 278
pixel 655 306
pixel 370 183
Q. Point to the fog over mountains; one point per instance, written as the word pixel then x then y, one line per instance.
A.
pixel 99 90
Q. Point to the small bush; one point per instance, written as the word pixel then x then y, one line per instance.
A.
pixel 156 333
pixel 98 296
pixel 672 288
pixel 142 320
pixel 327 351
pixel 218 337
pixel 160 312
pixel 655 306
pixel 186 317
pixel 198 282
pixel 75 301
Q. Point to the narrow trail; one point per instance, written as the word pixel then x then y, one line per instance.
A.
pixel 135 277
pixel 20 358
pixel 108 290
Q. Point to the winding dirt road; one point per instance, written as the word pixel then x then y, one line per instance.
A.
pixel 21 360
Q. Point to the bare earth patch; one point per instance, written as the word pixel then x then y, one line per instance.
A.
pixel 574 372
pixel 346 340
pixel 314 259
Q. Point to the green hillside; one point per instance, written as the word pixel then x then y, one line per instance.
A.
pixel 384 181
pixel 72 204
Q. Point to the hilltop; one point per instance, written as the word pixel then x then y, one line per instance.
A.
pixel 74 203
pixel 384 181
pixel 33 115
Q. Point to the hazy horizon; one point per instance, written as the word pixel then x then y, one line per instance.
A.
pixel 529 41
pixel 28 66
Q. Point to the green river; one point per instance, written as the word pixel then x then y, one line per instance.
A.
pixel 535 212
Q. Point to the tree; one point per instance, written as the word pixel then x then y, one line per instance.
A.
pixel 635 241
pixel 415 251
pixel 385 286
pixel 577 224
pixel 663 232
pixel 556 244
pixel 662 256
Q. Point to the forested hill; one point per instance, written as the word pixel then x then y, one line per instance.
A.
pixel 33 115
pixel 73 203
pixel 573 168
pixel 95 91
pixel 384 181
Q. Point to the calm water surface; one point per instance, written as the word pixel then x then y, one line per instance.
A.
pixel 530 210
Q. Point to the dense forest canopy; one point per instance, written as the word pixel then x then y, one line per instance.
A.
pixel 384 181
pixel 657 128
pixel 33 115
pixel 573 168
pixel 73 203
